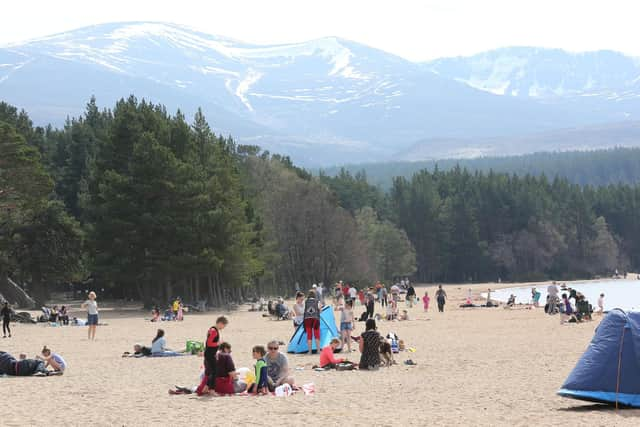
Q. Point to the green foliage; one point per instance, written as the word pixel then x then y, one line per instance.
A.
pixel 169 208
pixel 390 252
pixel 480 227
pixel 598 167
pixel 38 240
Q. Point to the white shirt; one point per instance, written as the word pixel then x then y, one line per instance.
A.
pixel 353 293
pixel 159 345
pixel 60 361
pixel 92 306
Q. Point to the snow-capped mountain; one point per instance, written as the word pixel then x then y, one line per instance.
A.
pixel 545 73
pixel 322 101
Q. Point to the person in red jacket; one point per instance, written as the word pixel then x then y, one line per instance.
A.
pixel 211 348
pixel 327 359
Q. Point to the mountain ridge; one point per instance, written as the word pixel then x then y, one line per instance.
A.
pixel 318 101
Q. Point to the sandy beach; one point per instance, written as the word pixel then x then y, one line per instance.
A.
pixel 474 367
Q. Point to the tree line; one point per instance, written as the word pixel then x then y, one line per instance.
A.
pixel 149 206
pixel 619 165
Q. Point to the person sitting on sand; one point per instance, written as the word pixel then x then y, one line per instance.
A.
pixel 63 315
pixel 226 375
pixel 511 302
pixel 155 314
pixel 282 311
pixel 159 346
pixel 327 359
pixel 404 315
pixel 568 313
pixel 53 314
pixel 489 302
pixel 261 385
pixel 168 314
pixel 369 343
pixel 583 308
pixel 277 367
pixel 54 360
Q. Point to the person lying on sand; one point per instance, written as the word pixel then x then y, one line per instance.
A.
pixel 23 367
pixel 138 351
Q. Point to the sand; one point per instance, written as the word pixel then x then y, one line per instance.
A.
pixel 474 367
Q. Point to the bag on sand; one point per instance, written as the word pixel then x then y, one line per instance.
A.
pixel 284 390
pixel 194 347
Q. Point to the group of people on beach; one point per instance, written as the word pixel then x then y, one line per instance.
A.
pixel 175 311
pixel 221 377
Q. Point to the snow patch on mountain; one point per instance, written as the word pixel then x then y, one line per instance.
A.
pixel 243 87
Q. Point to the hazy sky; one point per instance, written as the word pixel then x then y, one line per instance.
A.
pixel 417 30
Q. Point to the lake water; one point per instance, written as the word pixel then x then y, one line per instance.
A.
pixel 624 294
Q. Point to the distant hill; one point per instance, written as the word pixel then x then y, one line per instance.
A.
pixel 321 101
pixel 621 134
pixel 599 167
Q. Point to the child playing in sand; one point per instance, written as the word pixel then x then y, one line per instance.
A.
pixel 425 301
pixel 52 359
pixel 327 359
pixel 261 385
pixel 346 323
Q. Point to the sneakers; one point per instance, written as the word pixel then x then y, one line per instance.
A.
pixel 410 362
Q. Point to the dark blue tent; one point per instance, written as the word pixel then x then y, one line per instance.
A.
pixel 609 371
pixel 328 330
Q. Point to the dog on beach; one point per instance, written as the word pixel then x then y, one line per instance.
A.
pixel 386 356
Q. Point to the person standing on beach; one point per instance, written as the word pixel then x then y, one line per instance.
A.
pixel 312 320
pixel 600 304
pixel 441 297
pixel 6 319
pixel 370 299
pixel 92 315
pixel 425 301
pixel 211 349
pixel 410 296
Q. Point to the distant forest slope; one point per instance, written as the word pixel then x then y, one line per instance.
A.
pixel 598 168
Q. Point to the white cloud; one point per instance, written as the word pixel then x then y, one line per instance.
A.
pixel 417 30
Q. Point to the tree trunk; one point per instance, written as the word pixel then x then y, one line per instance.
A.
pixel 211 297
pixel 14 294
pixel 39 291
pixel 197 288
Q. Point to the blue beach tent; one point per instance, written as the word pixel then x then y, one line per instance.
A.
pixel 328 330
pixel 609 371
